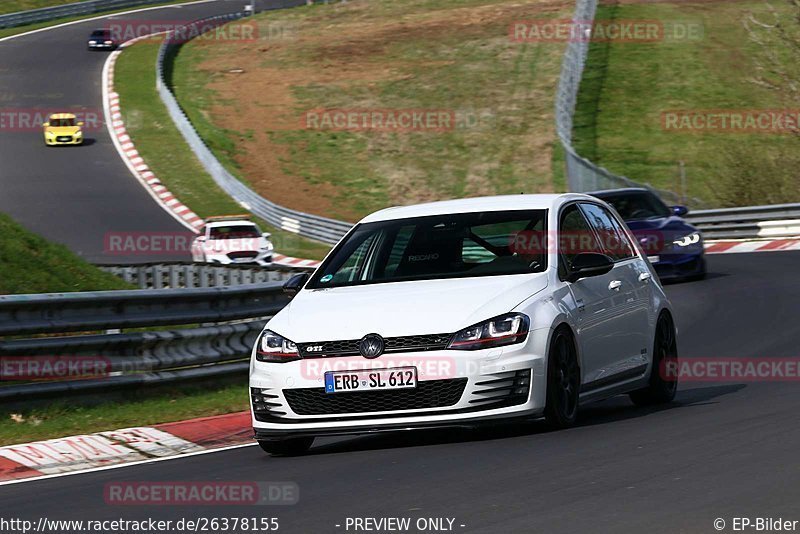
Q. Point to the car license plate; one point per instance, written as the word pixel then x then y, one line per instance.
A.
pixel 654 259
pixel 370 380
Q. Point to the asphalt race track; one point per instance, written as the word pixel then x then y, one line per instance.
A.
pixel 720 450
pixel 76 195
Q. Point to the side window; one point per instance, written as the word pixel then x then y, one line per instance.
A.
pixel 625 243
pixel 574 236
pixel 612 238
pixel 353 267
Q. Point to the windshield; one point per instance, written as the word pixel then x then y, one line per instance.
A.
pixel 60 123
pixel 101 33
pixel 637 206
pixel 434 247
pixel 234 232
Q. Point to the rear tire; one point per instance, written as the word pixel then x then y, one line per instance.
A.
pixel 662 387
pixel 286 447
pixel 563 381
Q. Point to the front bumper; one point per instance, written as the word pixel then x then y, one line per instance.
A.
pixel 263 259
pixel 680 266
pixel 63 141
pixel 101 46
pixel 290 399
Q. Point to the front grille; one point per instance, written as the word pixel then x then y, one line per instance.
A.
pixel 428 394
pixel 245 254
pixel 64 138
pixel 326 349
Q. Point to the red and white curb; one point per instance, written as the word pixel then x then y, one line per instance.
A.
pixel 129 154
pixel 765 245
pixel 280 259
pixel 103 449
pixel 127 151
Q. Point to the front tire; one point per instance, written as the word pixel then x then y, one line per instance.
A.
pixel 286 447
pixel 563 381
pixel 663 382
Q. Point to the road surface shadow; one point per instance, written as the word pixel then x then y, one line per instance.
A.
pixel 604 412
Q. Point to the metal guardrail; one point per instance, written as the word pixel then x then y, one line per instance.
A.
pixel 778 220
pixel 68 10
pixel 307 225
pixel 582 174
pixel 194 275
pixel 134 358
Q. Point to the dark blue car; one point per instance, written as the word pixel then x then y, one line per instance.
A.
pixel 674 247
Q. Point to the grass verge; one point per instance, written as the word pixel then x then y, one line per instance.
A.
pixel 64 420
pixel 628 85
pixel 163 148
pixel 31 264
pixel 248 100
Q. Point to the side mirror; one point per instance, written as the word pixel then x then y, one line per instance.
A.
pixel 80 123
pixel 588 264
pixel 46 125
pixel 294 284
pixel 266 235
pixel 680 211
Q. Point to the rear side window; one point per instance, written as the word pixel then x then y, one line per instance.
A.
pixel 612 237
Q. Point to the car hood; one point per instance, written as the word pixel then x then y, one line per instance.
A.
pixel 402 308
pixel 655 234
pixel 64 130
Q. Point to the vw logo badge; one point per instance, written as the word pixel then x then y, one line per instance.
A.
pixel 371 346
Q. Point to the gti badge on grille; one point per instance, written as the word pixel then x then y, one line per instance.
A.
pixel 371 346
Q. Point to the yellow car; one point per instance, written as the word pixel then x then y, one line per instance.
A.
pixel 63 129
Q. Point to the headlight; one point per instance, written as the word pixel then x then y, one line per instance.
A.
pixel 109 42
pixel 687 240
pixel 92 42
pixel 503 330
pixel 271 347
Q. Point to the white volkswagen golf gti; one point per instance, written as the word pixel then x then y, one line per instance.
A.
pixel 460 313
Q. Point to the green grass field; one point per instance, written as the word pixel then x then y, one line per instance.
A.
pixel 248 101
pixel 627 86
pixel 30 264
pixel 61 419
pixel 165 151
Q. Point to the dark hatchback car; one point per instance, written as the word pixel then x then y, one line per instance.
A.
pixel 674 247
pixel 101 40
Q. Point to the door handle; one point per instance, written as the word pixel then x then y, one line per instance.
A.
pixel 581 305
pixel 644 277
pixel 615 285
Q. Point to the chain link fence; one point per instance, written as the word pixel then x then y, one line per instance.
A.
pixel 582 174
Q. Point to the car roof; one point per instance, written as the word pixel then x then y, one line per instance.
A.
pixel 608 192
pixel 476 204
pixel 214 224
pixel 62 116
